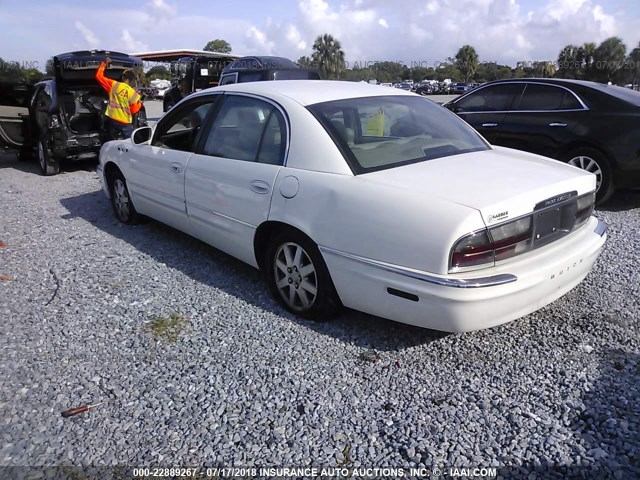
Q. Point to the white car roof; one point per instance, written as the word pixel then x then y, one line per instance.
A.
pixel 308 92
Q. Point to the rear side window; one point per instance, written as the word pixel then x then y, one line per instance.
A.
pixel 547 97
pixel 494 98
pixel 247 129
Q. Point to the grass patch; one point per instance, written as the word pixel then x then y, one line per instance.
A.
pixel 167 328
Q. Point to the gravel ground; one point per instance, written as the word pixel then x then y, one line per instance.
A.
pixel 237 381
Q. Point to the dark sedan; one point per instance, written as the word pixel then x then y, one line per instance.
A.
pixel 592 126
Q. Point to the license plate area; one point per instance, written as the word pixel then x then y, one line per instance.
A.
pixel 551 223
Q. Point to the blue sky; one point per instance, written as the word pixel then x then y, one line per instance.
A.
pixel 424 31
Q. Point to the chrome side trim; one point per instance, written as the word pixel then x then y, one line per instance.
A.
pixel 601 228
pixel 426 277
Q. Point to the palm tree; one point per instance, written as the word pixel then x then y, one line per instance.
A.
pixel 569 61
pixel 305 62
pixel 544 69
pixel 634 63
pixel 467 61
pixel 588 50
pixel 609 57
pixel 328 56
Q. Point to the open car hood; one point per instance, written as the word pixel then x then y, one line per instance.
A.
pixel 80 67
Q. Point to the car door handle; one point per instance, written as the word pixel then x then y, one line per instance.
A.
pixel 176 168
pixel 489 124
pixel 557 124
pixel 260 186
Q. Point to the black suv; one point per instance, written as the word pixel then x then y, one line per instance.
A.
pixel 67 111
pixel 253 69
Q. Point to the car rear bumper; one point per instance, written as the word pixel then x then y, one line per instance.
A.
pixel 76 147
pixel 466 302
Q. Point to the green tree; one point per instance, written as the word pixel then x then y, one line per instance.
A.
pixel 570 62
pixel 218 45
pixel 634 64
pixel 544 69
pixel 328 56
pixel 305 62
pixel 467 62
pixel 586 53
pixel 158 72
pixel 49 69
pixel 608 58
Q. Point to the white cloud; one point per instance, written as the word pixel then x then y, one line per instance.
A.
pixel 161 10
pixel 294 37
pixel 89 37
pixel 430 30
pixel 258 42
pixel 131 44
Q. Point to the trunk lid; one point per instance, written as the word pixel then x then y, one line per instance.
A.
pixel 500 183
pixel 80 67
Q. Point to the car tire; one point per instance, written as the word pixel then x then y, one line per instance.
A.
pixel 121 200
pixel 48 166
pixel 298 278
pixel 595 162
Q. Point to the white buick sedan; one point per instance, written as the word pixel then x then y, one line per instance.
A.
pixel 346 194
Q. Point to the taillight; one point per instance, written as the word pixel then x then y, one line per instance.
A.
pixel 585 208
pixel 472 250
pixel 484 248
pixel 511 238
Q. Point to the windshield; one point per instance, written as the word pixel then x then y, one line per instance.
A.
pixel 375 133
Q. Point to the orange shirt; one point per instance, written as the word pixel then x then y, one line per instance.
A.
pixel 124 101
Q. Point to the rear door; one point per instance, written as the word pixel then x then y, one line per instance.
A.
pixel 155 172
pixel 542 119
pixel 485 108
pixel 230 180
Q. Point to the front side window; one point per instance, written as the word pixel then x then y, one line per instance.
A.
pixel 494 98
pixel 376 133
pixel 179 130
pixel 247 129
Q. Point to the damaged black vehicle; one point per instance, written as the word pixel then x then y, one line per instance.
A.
pixel 67 112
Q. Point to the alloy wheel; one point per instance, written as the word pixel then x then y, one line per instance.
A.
pixel 41 158
pixel 121 200
pixel 590 165
pixel 296 277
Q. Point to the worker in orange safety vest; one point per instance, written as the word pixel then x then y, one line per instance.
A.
pixel 124 102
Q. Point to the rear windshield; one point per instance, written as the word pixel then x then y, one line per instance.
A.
pixel 376 133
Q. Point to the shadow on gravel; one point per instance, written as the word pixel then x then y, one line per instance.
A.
pixel 10 160
pixel 622 200
pixel 196 259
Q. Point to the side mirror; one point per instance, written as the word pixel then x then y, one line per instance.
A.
pixel 141 135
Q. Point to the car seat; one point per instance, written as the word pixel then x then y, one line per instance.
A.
pixel 347 134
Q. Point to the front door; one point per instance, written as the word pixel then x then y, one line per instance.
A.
pixel 230 179
pixel 156 171
pixel 14 113
pixel 485 108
